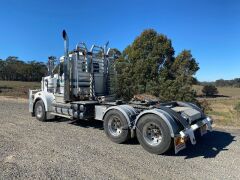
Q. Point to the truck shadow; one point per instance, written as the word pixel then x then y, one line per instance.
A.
pixel 208 146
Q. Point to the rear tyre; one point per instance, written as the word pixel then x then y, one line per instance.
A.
pixel 39 111
pixel 116 126
pixel 153 134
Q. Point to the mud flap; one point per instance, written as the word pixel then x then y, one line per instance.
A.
pixel 203 130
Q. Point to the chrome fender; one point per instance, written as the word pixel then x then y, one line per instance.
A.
pixel 171 123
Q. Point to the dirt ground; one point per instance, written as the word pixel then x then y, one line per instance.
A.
pixel 64 149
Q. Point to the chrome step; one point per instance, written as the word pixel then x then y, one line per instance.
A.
pixel 61 115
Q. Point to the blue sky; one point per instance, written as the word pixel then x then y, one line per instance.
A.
pixel 32 29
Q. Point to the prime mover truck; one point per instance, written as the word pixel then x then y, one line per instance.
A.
pixel 79 88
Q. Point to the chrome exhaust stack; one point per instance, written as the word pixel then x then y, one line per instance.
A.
pixel 66 68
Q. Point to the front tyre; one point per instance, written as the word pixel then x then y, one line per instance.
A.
pixel 39 111
pixel 153 134
pixel 116 126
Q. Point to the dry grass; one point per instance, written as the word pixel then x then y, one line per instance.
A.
pixel 224 112
pixel 223 108
pixel 17 88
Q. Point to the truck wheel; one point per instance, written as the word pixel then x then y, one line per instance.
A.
pixel 116 126
pixel 39 111
pixel 153 134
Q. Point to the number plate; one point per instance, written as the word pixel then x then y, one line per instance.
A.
pixel 179 144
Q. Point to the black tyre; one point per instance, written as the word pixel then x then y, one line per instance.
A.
pixel 153 134
pixel 116 126
pixel 39 111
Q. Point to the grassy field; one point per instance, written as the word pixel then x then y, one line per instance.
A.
pixel 17 88
pixel 224 113
pixel 224 91
pixel 223 107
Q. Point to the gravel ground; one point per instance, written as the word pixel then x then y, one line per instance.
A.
pixel 30 149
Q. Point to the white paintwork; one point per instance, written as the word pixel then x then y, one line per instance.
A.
pixel 46 97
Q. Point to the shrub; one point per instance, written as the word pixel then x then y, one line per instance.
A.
pixel 209 90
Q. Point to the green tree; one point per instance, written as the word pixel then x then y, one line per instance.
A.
pixel 2 69
pixel 141 62
pixel 114 52
pixel 148 65
pixel 182 70
pixel 14 69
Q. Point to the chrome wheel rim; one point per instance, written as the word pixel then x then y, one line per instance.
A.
pixel 39 111
pixel 152 134
pixel 115 126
